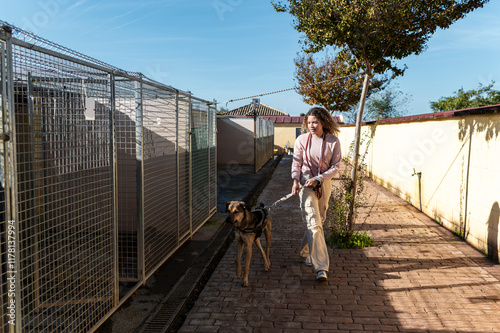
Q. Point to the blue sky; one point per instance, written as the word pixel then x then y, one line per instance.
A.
pixel 229 49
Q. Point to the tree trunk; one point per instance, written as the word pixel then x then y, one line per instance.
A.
pixel 357 139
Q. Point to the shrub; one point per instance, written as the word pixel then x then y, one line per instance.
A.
pixel 340 235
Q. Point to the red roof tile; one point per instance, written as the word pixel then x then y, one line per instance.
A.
pixel 439 115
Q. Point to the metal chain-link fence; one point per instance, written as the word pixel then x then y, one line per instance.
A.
pixel 104 174
pixel 264 142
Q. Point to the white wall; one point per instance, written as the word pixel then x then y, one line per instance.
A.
pixel 235 141
pixel 459 161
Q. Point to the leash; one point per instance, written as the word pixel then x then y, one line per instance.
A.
pixel 264 211
pixel 277 202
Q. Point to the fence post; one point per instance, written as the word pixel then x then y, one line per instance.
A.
pixel 214 133
pixel 114 165
pixel 139 137
pixel 190 110
pixel 209 135
pixel 11 182
pixel 177 155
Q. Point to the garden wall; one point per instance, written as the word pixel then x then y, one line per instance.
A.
pixel 455 157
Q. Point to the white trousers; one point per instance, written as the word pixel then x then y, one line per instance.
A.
pixel 314 215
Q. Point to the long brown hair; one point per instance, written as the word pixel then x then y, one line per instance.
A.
pixel 326 119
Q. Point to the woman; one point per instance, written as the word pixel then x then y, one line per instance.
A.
pixel 316 160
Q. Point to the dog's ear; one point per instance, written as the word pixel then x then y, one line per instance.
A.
pixel 243 205
pixel 227 205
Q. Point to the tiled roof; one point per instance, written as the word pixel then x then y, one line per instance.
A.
pixel 270 113
pixel 439 115
pixel 297 120
pixel 262 110
pixel 284 119
pixel 291 120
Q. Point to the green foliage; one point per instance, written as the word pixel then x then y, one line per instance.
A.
pixel 376 33
pixel 223 110
pixel 482 96
pixel 338 209
pixel 318 84
pixel 388 103
pixel 357 240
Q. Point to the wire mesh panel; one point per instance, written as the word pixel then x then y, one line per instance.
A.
pixel 127 133
pixel 64 193
pixel 161 230
pixel 212 126
pixel 183 129
pixel 108 174
pixel 264 143
pixel 3 222
pixel 200 145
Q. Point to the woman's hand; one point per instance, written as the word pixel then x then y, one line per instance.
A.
pixel 295 187
pixel 311 183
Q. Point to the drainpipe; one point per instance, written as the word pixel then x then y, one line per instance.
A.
pixel 419 175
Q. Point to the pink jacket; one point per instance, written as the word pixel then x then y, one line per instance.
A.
pixel 331 157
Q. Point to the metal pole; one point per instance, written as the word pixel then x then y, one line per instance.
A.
pixel 215 150
pixel 139 139
pixel 36 209
pixel 13 268
pixel 190 145
pixel 114 165
pixel 177 166
pixel 209 135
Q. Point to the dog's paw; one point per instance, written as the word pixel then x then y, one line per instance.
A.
pixel 245 283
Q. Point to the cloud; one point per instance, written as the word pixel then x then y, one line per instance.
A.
pixel 79 3
pixel 123 15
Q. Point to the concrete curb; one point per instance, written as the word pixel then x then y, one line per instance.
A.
pixel 174 307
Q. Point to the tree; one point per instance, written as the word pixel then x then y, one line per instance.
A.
pixel 483 95
pixel 318 83
pixel 223 110
pixel 388 103
pixel 376 33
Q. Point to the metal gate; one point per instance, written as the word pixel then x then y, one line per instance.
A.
pixel 97 182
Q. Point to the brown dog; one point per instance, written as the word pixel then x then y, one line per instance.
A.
pixel 248 227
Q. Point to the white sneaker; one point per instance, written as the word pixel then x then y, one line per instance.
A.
pixel 321 276
pixel 308 261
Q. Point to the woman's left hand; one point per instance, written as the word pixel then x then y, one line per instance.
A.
pixel 311 183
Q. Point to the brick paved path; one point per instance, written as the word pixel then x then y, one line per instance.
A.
pixel 417 278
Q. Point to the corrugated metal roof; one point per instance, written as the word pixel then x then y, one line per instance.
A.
pixel 262 110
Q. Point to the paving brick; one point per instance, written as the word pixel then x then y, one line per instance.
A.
pixel 417 278
pixel 231 329
pixel 288 324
